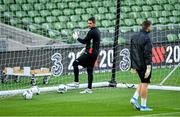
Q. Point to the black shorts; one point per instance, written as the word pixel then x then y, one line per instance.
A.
pixel 87 60
pixel 141 74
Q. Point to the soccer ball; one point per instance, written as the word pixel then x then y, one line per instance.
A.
pixel 62 88
pixel 35 90
pixel 28 94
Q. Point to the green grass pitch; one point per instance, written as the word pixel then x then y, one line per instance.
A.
pixel 103 101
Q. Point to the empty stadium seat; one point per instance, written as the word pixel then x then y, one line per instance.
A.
pixel 162 1
pixel 73 5
pixel 166 13
pixel 163 20
pixel 106 23
pixel 27 7
pixel 45 13
pixel 47 26
pixel 156 14
pixel 63 18
pixel 129 22
pixel 136 8
pixel 15 7
pixel 102 10
pixel 56 12
pixel 27 20
pixel 45 1
pixel 79 11
pixel 39 6
pixel 20 1
pixel 176 13
pixel 51 19
pixel 108 3
pixel 33 13
pixel 177 6
pixel 32 1
pixel 39 20
pixel 96 3
pixel 140 2
pixel 147 8
pixel 174 19
pixel 139 21
pixel 82 24
pixel 154 20
pixel 3 8
pixel 59 25
pixel 8 1
pixel 146 14
pixel 172 1
pixel 151 2
pixel 172 37
pixel 50 6
pixel 62 5
pixel 68 12
pixel 134 15
pixel 91 11
pixel 85 17
pixel 112 9
pixel 85 4
pixel 125 9
pixel 21 14
pixel 9 14
pixel 157 7
pixel 75 18
pixel 168 7
pixel 109 16
pixel 71 25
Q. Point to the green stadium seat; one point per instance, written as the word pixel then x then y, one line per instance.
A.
pixel 52 33
pixel 62 5
pixel 79 11
pixel 33 13
pixel 3 8
pixel 172 37
pixel 100 16
pixel 146 14
pixel 32 1
pixel 51 19
pixel 39 20
pixel 44 1
pixel 71 25
pixel 75 18
pixel 68 12
pixel 106 23
pixel 177 6
pixel 176 13
pixel 154 20
pixel 147 8
pixel 82 24
pixel 172 1
pixel 140 2
pixel 108 3
pixel 156 14
pixel 124 15
pixel 56 12
pixel 63 18
pixel 151 2
pixel 96 3
pixel 163 20
pixel 157 7
pixel 59 25
pixel 174 19
pixel 136 8
pixel 136 28
pixel 160 2
pixel 134 15
pixel 39 6
pixel 20 1
pixel 129 2
pixel 168 7
pixel 102 10
pixel 91 10
pixel 125 9
pixel 47 26
pixel 125 29
pixel 9 14
pixel 15 21
pixel 55 1
pixel 21 14
pixel 73 5
pixel 112 9
pixel 122 23
pixel 109 16
pixel 27 20
pixel 84 4
pixel 85 17
pixel 129 22
pixel 140 21
pixel 66 31
pixel 166 13
pixel 179 36
pixel 15 7
pixel 45 13
pixel 27 7
pixel 9 1
pixel 50 6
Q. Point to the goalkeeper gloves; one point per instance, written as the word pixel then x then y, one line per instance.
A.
pixel 75 35
pixel 148 71
pixel 133 71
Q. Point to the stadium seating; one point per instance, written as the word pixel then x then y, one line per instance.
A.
pixel 64 16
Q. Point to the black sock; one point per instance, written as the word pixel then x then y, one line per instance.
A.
pixel 90 77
